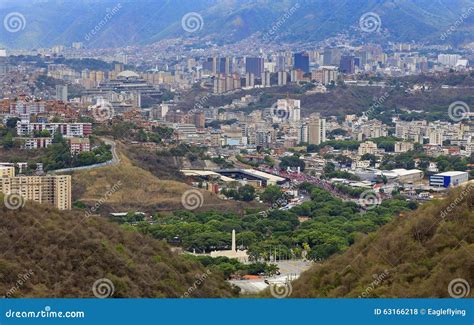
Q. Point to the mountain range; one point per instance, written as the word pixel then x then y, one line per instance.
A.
pixel 116 23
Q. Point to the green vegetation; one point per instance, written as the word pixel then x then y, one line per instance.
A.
pixel 332 227
pixel 292 162
pixel 271 194
pixel 67 253
pixel 58 155
pixel 243 193
pixel 331 172
pixel 416 255
pixel 232 267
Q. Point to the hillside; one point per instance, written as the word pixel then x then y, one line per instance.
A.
pixel 416 255
pixel 62 254
pixel 145 21
pixel 127 187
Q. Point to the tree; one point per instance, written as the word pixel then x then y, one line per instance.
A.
pixel 271 194
pixel 371 157
pixel 246 193
pixel 7 141
pixel 292 162
pixel 11 122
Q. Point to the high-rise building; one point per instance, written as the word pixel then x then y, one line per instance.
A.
pixel 61 92
pixel 288 109
pixel 347 64
pixel 301 61
pixel 254 65
pixel 332 56
pixel 249 80
pixel 282 78
pixel 266 79
pixel 316 129
pixel 329 74
pixel 55 190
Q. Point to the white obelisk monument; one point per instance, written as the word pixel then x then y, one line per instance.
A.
pixel 234 247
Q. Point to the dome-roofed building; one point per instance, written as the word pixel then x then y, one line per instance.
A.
pixel 128 74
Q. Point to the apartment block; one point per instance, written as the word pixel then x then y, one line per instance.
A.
pixel 25 128
pixel 79 145
pixel 55 190
pixel 7 171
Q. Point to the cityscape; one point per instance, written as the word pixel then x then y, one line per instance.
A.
pixel 226 149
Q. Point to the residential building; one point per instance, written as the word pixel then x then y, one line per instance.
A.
pixel 316 129
pixel 367 147
pixel 55 190
pixel 79 145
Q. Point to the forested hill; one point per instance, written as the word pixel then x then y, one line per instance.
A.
pixel 145 21
pixel 424 253
pixel 48 253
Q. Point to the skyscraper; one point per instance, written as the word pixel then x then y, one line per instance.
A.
pixel 316 129
pixel 347 64
pixel 254 65
pixel 301 61
pixel 61 92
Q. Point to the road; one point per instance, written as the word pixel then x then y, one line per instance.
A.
pixel 289 270
pixel 114 161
